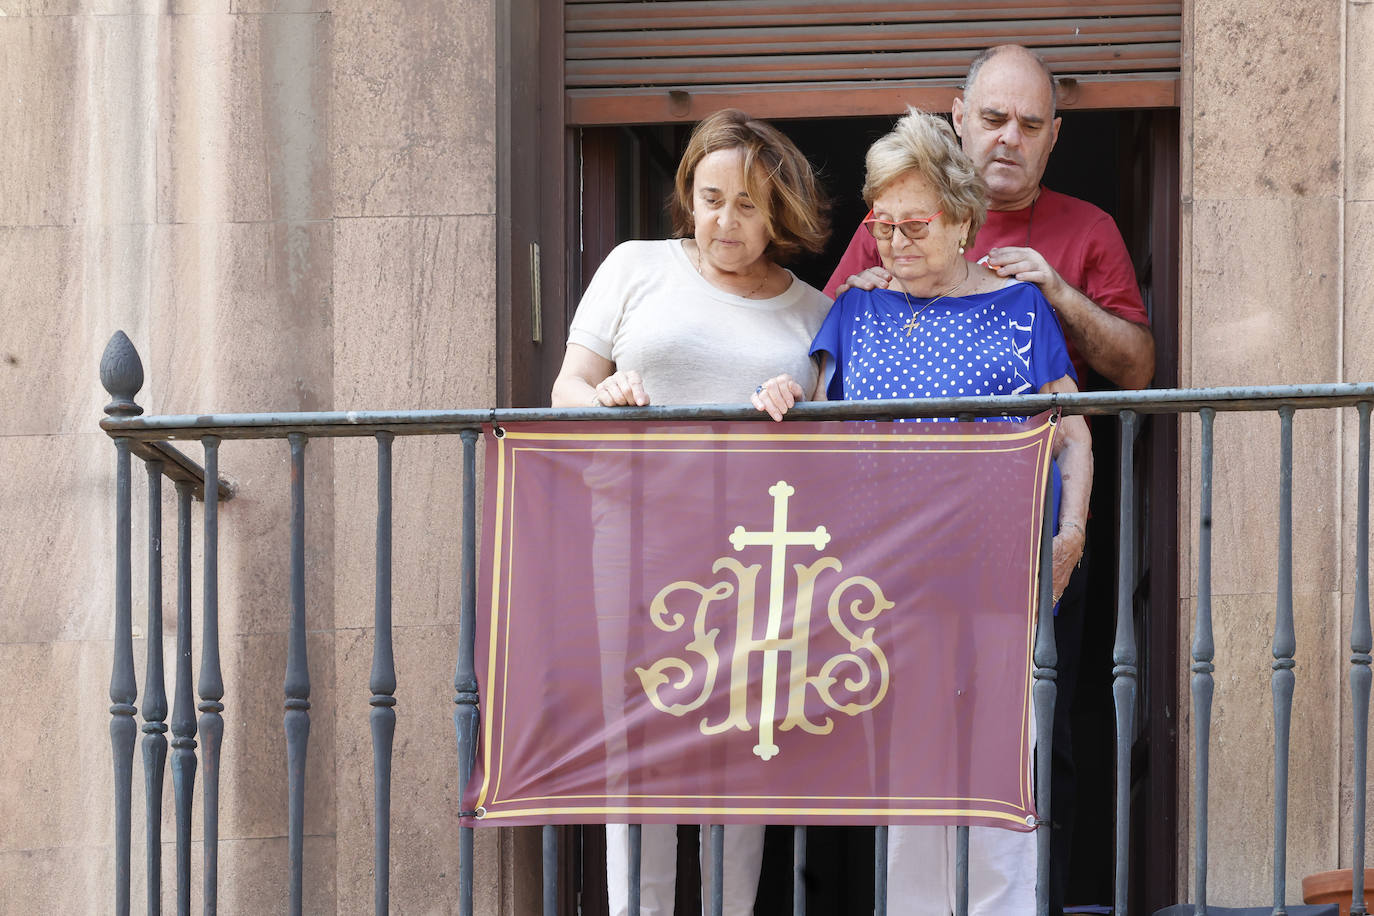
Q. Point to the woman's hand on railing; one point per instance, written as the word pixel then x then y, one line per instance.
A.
pixel 588 379
pixel 777 395
pixel 620 389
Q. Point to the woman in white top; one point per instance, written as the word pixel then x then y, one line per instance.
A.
pixel 699 319
pixel 703 318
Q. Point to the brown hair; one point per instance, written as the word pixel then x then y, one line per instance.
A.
pixel 776 175
pixel 926 144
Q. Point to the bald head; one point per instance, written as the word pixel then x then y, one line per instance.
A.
pixel 1006 123
pixel 1018 59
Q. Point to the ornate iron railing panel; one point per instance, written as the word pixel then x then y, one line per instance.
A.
pixel 149 438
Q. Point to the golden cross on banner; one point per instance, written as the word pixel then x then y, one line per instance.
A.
pixel 779 539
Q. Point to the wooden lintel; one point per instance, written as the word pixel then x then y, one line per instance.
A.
pixel 591 107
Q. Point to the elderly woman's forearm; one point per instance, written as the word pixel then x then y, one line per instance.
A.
pixel 1075 471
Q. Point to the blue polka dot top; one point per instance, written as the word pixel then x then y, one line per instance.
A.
pixel 1003 342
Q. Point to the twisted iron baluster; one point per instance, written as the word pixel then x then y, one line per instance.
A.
pixel 155 694
pixel 717 870
pixel 1044 691
pixel 383 685
pixel 183 707
pixel 549 841
pixel 121 372
pixel 1285 645
pixel 961 871
pixel 1124 660
pixel 1203 652
pixel 465 677
pixel 880 871
pixel 636 854
pixel 296 718
pixel 1360 646
pixel 211 683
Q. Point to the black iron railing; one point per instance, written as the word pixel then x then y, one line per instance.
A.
pixel 150 438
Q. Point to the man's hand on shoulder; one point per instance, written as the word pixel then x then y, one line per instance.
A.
pixel 870 279
pixel 1030 266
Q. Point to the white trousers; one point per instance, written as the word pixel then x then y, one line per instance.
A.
pixel 1001 869
pixel 658 868
pixel 920 871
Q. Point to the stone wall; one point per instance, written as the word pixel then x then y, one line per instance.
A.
pixel 1276 274
pixel 290 205
pixel 286 205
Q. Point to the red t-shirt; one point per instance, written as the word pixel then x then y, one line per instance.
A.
pixel 1078 239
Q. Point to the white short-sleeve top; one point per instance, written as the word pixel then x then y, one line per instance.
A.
pixel 649 310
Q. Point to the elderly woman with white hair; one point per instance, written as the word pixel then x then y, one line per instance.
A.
pixel 947 328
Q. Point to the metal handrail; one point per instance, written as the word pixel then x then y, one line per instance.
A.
pixel 347 423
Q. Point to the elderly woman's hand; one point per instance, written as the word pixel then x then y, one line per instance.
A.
pixel 620 389
pixel 777 395
pixel 1067 549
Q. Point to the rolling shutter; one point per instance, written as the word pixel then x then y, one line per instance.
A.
pixel 648 61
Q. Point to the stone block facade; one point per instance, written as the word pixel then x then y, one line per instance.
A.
pixel 290 205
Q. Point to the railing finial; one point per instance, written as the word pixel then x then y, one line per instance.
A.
pixel 121 372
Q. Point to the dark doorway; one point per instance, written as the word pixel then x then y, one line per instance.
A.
pixel 1126 162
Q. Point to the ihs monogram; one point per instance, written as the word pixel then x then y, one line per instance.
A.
pixel 866 676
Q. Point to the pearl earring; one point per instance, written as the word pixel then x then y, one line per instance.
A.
pixel 962 242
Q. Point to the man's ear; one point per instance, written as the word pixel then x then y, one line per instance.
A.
pixel 1054 131
pixel 956 111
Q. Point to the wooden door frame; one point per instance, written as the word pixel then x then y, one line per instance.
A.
pixel 1162 837
pixel 532 293
pixel 545 187
pixel 1155 866
pixel 536 228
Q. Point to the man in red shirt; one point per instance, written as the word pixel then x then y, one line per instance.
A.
pixel 1074 252
pixel 1069 248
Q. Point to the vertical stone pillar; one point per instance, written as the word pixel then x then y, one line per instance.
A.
pixel 414 181
pixel 1263 303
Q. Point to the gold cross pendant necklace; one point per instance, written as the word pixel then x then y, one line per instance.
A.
pixel 915 320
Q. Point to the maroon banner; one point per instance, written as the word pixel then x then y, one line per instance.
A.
pixel 818 623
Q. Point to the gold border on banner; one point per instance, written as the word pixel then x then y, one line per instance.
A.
pixel 499 509
pixel 770 811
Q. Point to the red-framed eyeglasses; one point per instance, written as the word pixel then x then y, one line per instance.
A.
pixel 915 228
